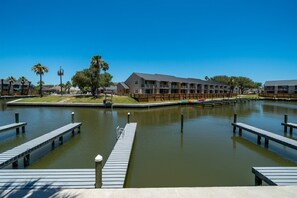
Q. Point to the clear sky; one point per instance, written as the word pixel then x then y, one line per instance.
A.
pixel 186 38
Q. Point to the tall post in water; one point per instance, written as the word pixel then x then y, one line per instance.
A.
pixel 98 171
pixel 285 123
pixel 72 117
pixel 234 121
pixel 128 118
pixel 17 120
pixel 182 122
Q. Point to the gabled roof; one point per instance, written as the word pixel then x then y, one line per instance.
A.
pixel 281 83
pixel 124 85
pixel 168 78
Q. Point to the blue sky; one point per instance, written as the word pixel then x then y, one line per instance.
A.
pixel 187 38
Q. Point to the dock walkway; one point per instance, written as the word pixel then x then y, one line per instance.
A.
pixel 266 135
pixel 23 151
pixel 47 178
pixel 115 169
pixel 13 126
pixel 276 176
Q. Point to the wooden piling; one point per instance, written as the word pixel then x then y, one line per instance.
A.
pixel 182 123
pixel 98 171
pixel 17 120
pixel 72 117
pixel 285 123
pixel 128 118
pixel 259 139
pixel 234 121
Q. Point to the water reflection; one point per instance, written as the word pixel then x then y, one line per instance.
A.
pixel 203 155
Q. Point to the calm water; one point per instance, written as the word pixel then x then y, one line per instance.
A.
pixel 206 154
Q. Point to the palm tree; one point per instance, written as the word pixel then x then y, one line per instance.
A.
pixel 61 73
pixel 40 70
pixel 11 80
pixel 68 85
pixel 98 63
pixel 23 80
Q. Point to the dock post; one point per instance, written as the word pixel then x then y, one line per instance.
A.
pixel 61 140
pixel 72 117
pixel 258 181
pixel 128 118
pixel 259 139
pixel 182 123
pixel 15 164
pixel 17 120
pixel 234 121
pixel 23 129
pixel 98 171
pixel 266 142
pixel 53 144
pixel 240 131
pixel 285 123
pixel 26 160
pixel 291 130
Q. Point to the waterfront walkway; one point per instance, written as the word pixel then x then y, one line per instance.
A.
pixel 193 192
pixel 115 169
pixel 12 156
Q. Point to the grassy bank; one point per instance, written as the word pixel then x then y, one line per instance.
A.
pixel 79 99
pixel 99 100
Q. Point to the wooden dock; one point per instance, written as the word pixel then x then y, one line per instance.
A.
pixel 47 179
pixel 276 176
pixel 23 151
pixel 13 126
pixel 265 134
pixel 287 124
pixel 115 169
pixel 17 125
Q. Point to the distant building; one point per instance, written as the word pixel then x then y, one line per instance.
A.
pixel 15 88
pixel 280 87
pixel 139 83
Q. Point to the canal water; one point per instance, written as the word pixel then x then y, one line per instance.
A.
pixel 205 154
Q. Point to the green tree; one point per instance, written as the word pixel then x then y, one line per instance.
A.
pixel 105 80
pixel 82 80
pixel 232 83
pixel 11 80
pixel 221 79
pixel 23 80
pixel 206 78
pixel 68 85
pixel 97 63
pixel 244 83
pixel 40 70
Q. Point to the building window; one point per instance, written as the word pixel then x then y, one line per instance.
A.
pixel 136 82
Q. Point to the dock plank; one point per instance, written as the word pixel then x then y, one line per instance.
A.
pixel 115 169
pixel 280 176
pixel 51 178
pixel 8 157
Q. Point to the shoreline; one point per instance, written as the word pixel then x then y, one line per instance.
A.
pixel 146 105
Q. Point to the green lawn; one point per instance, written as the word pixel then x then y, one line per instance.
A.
pixel 80 99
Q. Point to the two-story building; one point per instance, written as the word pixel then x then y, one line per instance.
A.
pixel 280 87
pixel 139 83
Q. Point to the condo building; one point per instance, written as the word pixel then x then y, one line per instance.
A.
pixel 139 83
pixel 280 87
